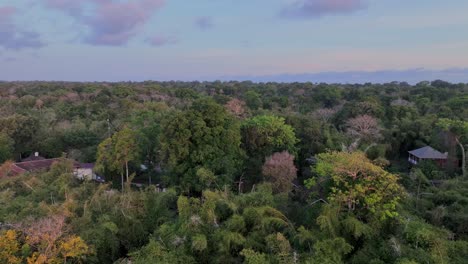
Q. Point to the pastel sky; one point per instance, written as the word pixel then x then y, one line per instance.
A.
pixel 119 40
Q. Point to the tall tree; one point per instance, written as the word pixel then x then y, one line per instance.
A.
pixel 253 100
pixel 6 147
pixel 280 170
pixel 115 153
pixel 126 148
pixel 364 128
pixel 203 140
pixel 263 135
pixel 358 186
pixel 459 129
pixel 147 124
pixel 22 130
pixel 48 236
pixel 236 107
pixel 105 161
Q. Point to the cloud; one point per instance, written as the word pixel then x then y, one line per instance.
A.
pixel 6 12
pixel 71 7
pixel 10 59
pixel 162 40
pixel 320 8
pixel 204 22
pixel 111 23
pixel 12 37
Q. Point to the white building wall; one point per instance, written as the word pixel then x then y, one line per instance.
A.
pixel 85 174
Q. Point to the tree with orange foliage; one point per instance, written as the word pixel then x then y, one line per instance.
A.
pixel 48 236
pixel 73 247
pixel 5 169
pixel 10 247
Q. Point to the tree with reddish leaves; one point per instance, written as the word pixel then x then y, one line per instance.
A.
pixel 236 107
pixel 324 114
pixel 6 169
pixel 279 169
pixel 363 128
pixel 45 240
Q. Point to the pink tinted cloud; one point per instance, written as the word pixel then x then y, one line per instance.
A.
pixel 6 12
pixel 110 22
pixel 319 8
pixel 12 37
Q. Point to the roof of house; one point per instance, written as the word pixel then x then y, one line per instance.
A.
pixel 36 165
pixel 41 164
pixel 86 165
pixel 15 170
pixel 428 153
pixel 33 158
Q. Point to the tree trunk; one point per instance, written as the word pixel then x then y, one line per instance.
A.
pixel 463 157
pixel 126 169
pixel 418 195
pixel 122 179
pixel 240 183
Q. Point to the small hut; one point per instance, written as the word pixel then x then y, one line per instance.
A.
pixel 427 153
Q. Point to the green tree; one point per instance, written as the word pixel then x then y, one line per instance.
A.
pixel 331 251
pixel 253 100
pixel 6 147
pixel 329 96
pixel 22 130
pixel 116 152
pixel 263 135
pixel 126 148
pixel 252 257
pixel 156 252
pixel 200 142
pixel 459 128
pixel 147 123
pixel 359 186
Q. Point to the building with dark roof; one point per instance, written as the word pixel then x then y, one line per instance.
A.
pixel 427 153
pixel 34 157
pixel 35 165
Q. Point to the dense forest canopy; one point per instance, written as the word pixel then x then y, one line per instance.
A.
pixel 234 172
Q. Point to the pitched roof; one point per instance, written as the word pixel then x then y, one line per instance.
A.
pixel 33 158
pixel 36 165
pixel 15 170
pixel 86 166
pixel 428 153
